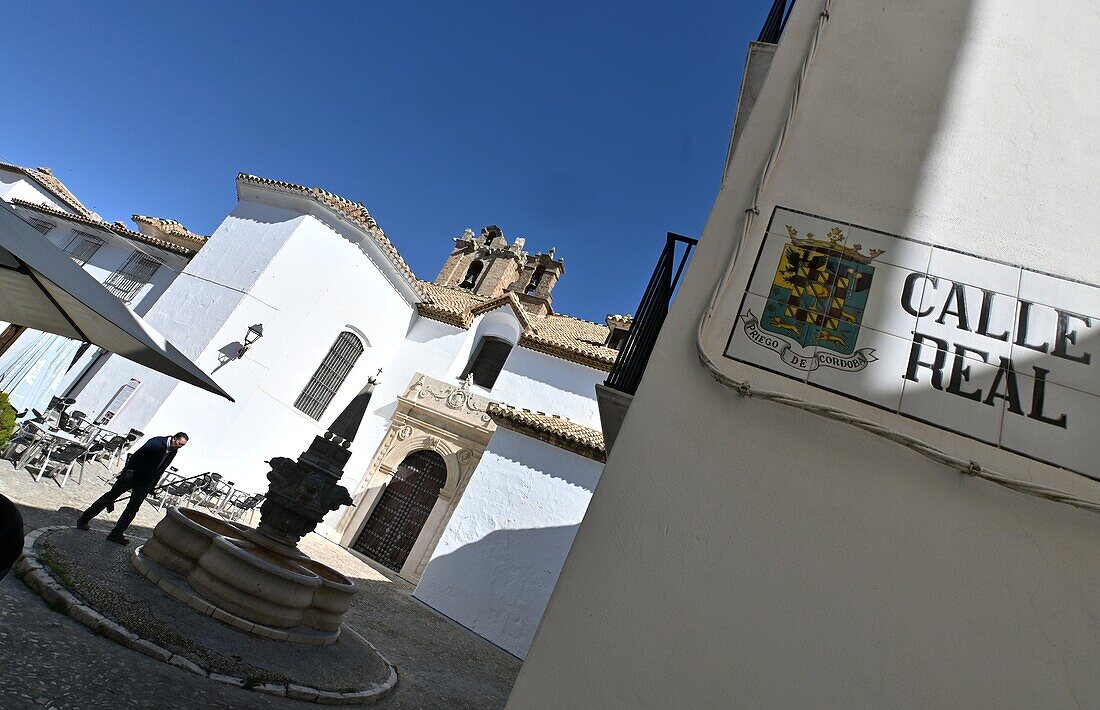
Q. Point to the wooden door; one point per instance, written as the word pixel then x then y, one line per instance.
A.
pixel 397 520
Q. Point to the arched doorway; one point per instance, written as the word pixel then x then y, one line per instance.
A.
pixel 396 521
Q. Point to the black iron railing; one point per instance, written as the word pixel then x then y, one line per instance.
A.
pixel 776 21
pixel 650 316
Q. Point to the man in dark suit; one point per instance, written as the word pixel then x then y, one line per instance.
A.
pixel 140 476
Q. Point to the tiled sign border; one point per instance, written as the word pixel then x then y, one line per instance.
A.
pixel 848 395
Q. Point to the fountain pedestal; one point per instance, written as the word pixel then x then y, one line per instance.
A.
pixel 257 579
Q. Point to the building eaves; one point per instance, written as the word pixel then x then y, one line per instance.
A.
pixel 509 299
pixel 354 212
pixel 572 339
pixel 551 429
pixel 49 181
pixel 115 228
pixel 560 336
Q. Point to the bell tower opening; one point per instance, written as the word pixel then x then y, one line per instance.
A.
pixel 471 275
pixel 536 279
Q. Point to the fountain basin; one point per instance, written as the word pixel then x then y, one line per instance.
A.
pixel 244 579
pixel 331 600
pixel 183 536
pixel 249 581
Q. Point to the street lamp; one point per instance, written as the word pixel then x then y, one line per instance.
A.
pixel 255 332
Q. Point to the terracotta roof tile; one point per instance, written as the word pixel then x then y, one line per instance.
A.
pixel 582 339
pixel 552 429
pixel 562 336
pixel 354 212
pixel 117 227
pixel 46 178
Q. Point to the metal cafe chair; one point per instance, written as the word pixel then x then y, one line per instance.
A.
pixel 179 492
pixel 64 457
pixel 23 437
pixel 242 503
pixel 124 447
pixel 161 494
pixel 213 490
pixel 108 448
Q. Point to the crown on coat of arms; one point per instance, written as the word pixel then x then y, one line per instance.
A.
pixel 834 242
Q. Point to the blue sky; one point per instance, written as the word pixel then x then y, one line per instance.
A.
pixel 591 127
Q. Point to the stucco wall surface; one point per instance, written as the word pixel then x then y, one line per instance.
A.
pixel 305 284
pixel 18 186
pixel 501 553
pixel 743 553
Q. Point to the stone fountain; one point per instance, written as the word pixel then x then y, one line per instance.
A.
pixel 257 579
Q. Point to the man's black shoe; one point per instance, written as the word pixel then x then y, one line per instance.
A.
pixel 82 524
pixel 119 539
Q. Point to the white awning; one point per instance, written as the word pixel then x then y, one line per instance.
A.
pixel 42 288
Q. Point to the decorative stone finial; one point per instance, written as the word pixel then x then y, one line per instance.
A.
pixel 347 423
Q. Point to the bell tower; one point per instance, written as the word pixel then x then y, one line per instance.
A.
pixel 487 266
pixel 483 265
pixel 539 275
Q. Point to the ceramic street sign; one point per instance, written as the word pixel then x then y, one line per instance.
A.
pixel 984 349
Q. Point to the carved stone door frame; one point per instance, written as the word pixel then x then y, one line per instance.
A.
pixel 435 416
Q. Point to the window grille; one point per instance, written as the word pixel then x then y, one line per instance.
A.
pixel 135 273
pixel 332 372
pixel 40 224
pixel 81 247
pixel 488 361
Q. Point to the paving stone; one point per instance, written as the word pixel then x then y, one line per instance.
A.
pixel 227 680
pixel 300 692
pixel 186 664
pixel 330 697
pixel 275 689
pixel 151 649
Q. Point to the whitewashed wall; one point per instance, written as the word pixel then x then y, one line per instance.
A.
pixel 502 551
pixel 305 284
pixel 740 552
pixel 529 379
pixel 15 185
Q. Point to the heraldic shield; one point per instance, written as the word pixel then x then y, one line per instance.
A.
pixel 819 292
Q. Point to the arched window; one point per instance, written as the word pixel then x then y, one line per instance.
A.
pixel 488 361
pixel 332 372
pixel 471 275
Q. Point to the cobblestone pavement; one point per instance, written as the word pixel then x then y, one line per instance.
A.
pixel 49 660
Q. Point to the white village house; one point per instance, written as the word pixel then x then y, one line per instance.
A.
pixel 481 446
pixel 862 468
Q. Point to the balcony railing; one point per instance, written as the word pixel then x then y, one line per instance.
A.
pixel 650 316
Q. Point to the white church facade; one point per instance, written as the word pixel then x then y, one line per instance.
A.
pixel 481 446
